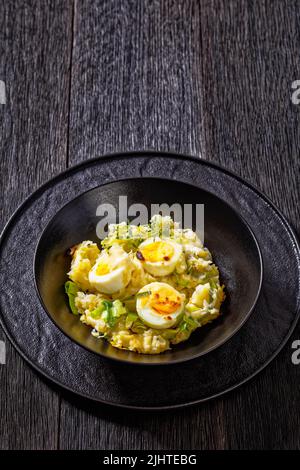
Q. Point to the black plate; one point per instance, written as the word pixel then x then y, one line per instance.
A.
pixel 228 237
pixel 54 355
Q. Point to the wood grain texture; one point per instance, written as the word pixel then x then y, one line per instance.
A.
pixel 135 85
pixel 211 78
pixel 34 63
pixel 133 77
pixel 249 62
pixel 251 126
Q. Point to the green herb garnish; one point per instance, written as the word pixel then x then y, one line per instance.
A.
pixel 109 319
pixel 71 290
pixel 143 294
pixel 112 311
pixel 130 319
pixel 187 324
pixel 138 326
pixel 96 314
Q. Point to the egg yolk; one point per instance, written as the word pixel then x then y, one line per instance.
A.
pixel 165 306
pixel 102 269
pixel 163 302
pixel 157 251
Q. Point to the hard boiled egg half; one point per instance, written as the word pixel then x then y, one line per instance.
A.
pixel 159 305
pixel 112 270
pixel 159 256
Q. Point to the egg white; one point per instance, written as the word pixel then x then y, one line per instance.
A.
pixel 146 312
pixel 119 267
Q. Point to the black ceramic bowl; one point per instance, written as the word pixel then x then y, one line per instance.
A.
pixel 228 237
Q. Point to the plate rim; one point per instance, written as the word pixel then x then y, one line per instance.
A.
pixel 149 364
pixel 153 153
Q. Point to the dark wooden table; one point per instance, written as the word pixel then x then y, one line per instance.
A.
pixel 209 78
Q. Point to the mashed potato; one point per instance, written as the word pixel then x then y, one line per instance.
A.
pixel 108 288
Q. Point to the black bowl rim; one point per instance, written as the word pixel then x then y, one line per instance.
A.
pixel 153 153
pixel 153 362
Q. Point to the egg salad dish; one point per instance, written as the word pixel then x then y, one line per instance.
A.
pixel 142 290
